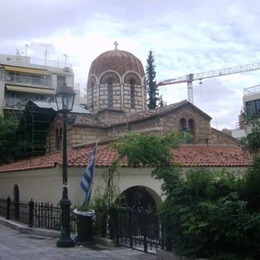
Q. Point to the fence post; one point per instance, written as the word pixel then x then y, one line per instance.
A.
pixel 168 240
pixel 31 208
pixel 8 207
pixel 114 224
pixel 130 228
pixel 144 222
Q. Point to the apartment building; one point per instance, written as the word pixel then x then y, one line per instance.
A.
pixel 23 79
pixel 251 99
pixel 251 104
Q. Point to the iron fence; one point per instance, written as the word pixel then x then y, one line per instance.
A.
pixel 138 230
pixel 42 215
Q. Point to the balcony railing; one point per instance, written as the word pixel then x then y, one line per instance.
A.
pixel 252 90
pixel 44 81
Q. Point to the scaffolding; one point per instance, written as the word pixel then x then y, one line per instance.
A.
pixel 34 122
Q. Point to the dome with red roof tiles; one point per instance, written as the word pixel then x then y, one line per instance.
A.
pixel 116 82
pixel 117 60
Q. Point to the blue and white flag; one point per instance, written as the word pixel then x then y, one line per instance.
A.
pixel 87 179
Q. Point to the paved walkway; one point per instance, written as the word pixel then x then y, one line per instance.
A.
pixel 32 244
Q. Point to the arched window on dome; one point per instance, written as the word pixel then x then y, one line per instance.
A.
pixel 92 85
pixel 132 93
pixel 110 94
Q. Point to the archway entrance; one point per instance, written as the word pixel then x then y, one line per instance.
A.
pixel 139 198
pixel 138 225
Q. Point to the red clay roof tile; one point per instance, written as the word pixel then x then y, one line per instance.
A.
pixel 186 156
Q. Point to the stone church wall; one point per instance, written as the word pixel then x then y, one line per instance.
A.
pixel 75 136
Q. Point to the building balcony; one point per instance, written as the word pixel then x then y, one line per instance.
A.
pixel 41 81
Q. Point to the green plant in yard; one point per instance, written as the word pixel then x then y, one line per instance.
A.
pixel 107 195
pixel 208 214
pixel 213 214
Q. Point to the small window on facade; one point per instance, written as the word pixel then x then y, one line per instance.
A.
pixel 36 79
pixel 58 136
pixel 182 124
pixel 191 128
pixel 14 100
pixel 60 81
pixel 92 95
pixel 250 106
pixel 110 94
pixel 132 93
pixel 257 104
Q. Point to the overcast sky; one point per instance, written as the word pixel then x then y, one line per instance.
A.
pixel 186 36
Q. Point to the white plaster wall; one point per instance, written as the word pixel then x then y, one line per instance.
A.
pixel 129 177
pixel 39 185
pixel 45 185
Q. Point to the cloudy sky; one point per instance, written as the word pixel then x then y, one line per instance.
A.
pixel 186 36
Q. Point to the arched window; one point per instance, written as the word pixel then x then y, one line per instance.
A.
pixel 110 94
pixel 191 126
pixel 92 95
pixel 182 125
pixel 132 93
pixel 58 137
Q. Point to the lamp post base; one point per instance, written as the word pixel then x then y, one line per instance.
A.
pixel 65 242
pixel 65 239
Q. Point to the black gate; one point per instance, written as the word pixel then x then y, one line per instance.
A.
pixel 137 229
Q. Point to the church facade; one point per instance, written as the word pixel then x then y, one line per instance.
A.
pixel 116 101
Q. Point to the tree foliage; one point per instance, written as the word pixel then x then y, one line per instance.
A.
pixel 251 142
pixel 213 214
pixel 8 140
pixel 148 149
pixel 209 214
pixel 154 100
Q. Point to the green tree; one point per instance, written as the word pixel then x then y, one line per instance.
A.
pixel 8 140
pixel 251 142
pixel 153 94
pixel 212 214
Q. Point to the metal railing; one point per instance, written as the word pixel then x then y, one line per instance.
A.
pixel 42 215
pixel 138 230
pixel 42 81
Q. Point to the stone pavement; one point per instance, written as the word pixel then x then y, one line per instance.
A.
pixel 20 242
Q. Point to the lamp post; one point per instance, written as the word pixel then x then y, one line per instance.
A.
pixel 65 100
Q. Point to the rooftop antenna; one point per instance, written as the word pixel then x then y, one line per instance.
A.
pixel 46 45
pixel 66 57
pixel 26 47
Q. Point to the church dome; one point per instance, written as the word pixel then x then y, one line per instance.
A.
pixel 116 81
pixel 118 60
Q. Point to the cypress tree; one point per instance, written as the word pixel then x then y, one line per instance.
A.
pixel 151 83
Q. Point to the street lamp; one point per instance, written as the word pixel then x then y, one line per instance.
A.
pixel 65 100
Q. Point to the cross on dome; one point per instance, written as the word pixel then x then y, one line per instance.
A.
pixel 116 44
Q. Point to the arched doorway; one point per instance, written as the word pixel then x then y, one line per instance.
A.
pixel 139 198
pixel 16 200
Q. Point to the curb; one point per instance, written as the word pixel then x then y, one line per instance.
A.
pixel 49 233
pixel 24 229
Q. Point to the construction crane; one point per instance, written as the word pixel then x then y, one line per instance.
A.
pixel 207 75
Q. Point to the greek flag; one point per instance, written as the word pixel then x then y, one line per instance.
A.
pixel 87 179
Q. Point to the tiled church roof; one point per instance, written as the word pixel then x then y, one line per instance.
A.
pixel 186 156
pixel 90 121
pixel 146 114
